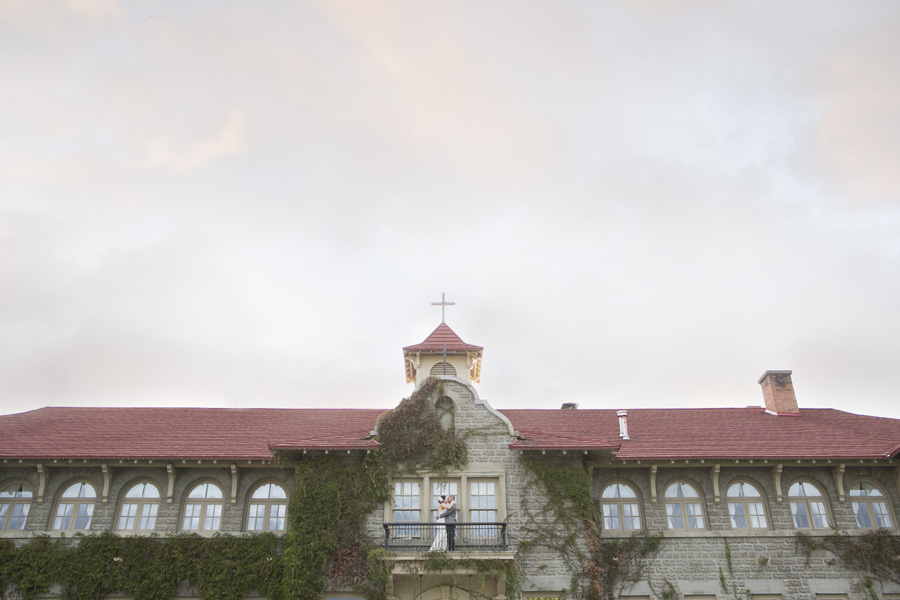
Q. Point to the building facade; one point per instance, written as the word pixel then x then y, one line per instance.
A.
pixel 727 493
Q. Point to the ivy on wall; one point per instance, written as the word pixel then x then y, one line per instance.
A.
pixel 91 567
pixel 413 439
pixel 326 544
pixel 602 567
pixel 874 556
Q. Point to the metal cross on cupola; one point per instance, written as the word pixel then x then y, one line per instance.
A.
pixel 443 304
pixel 442 354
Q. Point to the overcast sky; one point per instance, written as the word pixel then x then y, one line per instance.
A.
pixel 636 203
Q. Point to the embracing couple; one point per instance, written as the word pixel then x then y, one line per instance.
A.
pixel 445 537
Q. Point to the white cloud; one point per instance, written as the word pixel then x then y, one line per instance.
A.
pixel 186 157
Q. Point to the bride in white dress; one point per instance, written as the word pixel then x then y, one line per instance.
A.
pixel 440 532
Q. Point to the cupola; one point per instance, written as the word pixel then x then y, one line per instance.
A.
pixel 442 354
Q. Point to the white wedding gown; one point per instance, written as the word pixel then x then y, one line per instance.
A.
pixel 440 537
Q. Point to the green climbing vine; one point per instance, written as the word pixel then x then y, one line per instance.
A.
pixel 91 567
pixel 412 438
pixel 874 556
pixel 326 544
pixel 601 567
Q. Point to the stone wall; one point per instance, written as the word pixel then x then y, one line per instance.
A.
pixel 694 562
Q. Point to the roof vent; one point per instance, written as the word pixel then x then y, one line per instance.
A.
pixel 778 392
pixel 623 424
pixel 569 406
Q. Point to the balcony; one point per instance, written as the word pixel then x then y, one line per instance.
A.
pixel 418 537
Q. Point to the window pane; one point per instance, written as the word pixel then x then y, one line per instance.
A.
pixel 861 511
pixel 269 491
pixel 882 518
pixel 631 516
pixel 79 490
pixel 143 490
pixel 864 488
pixel 256 517
pixel 126 518
pixel 681 490
pixel 148 517
pixel 83 520
pixel 16 490
pixel 191 517
pixel 801 519
pixel 695 516
pixel 277 517
pixel 742 489
pixel 19 515
pixel 819 517
pixel 610 516
pixel 757 515
pixel 673 515
pixel 736 511
pixel 442 488
pixel 213 517
pixel 63 516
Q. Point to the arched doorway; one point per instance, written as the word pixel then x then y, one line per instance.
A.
pixel 444 592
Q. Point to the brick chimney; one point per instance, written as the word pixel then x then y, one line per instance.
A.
pixel 779 393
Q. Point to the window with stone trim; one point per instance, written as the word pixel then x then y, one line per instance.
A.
pixel 75 507
pixel 746 506
pixel 621 507
pixel 203 508
pixel 479 498
pixel 15 502
pixel 442 487
pixel 139 508
pixel 870 506
pixel 684 506
pixel 808 506
pixel 407 506
pixel 482 502
pixel 267 509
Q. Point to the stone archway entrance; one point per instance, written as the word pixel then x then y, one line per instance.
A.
pixel 444 592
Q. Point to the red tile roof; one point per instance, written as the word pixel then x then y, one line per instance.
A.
pixel 178 433
pixel 440 336
pixel 244 434
pixel 714 433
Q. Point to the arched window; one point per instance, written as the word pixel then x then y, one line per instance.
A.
pixel 15 500
pixel 807 506
pixel 684 507
pixel 75 507
pixel 621 509
pixel 745 506
pixel 203 508
pixel 268 508
pixel 443 409
pixel 138 510
pixel 869 506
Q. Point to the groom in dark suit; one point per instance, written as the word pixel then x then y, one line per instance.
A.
pixel 449 516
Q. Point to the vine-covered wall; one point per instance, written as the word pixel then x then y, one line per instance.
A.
pixel 550 503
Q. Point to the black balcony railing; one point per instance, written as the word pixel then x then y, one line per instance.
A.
pixel 419 537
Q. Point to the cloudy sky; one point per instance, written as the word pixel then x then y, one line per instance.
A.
pixel 634 203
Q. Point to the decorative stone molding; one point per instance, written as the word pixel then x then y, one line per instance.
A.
pixel 170 471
